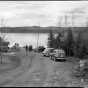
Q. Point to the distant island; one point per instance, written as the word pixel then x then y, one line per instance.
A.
pixel 36 29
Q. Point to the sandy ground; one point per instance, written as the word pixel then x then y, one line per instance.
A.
pixel 34 70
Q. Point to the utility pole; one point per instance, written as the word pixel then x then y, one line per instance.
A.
pixel 38 37
pixel 87 22
pixel 2 35
pixel 66 21
pixel 66 26
pixel 60 21
pixel 2 25
pixel 75 14
pixel 72 20
pixel 1 40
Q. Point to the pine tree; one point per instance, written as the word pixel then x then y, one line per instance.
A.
pixel 69 43
pixel 58 41
pixel 83 52
pixel 51 40
pixel 80 47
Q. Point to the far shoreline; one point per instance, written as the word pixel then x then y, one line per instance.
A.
pixel 40 29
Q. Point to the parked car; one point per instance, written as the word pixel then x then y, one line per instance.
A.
pixel 47 52
pixel 58 54
pixel 39 49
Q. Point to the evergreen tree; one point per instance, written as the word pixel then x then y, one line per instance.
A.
pixel 51 40
pixel 62 40
pixel 69 43
pixel 58 41
pixel 83 52
pixel 80 47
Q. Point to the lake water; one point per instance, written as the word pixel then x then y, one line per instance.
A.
pixel 27 38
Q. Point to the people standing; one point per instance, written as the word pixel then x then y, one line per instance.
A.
pixel 26 48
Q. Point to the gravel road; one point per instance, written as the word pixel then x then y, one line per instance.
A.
pixel 38 71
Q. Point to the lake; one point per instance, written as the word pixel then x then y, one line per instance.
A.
pixel 27 38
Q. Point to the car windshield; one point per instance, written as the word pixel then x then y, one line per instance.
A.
pixel 58 51
pixel 48 50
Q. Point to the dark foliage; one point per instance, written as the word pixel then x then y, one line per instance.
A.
pixel 58 41
pixel 69 43
pixel 72 47
pixel 80 49
pixel 51 40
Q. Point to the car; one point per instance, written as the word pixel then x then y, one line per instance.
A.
pixel 39 49
pixel 58 55
pixel 47 52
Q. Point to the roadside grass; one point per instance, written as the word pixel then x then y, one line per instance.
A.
pixel 80 73
pixel 9 63
pixel 65 71
pixel 19 63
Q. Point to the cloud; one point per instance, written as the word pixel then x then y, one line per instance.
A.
pixel 46 13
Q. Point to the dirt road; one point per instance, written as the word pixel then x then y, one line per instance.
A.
pixel 42 72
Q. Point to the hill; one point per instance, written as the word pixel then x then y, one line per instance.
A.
pixel 36 29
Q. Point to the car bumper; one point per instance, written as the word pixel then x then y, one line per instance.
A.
pixel 60 59
pixel 44 54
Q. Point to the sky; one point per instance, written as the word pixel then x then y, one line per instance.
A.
pixel 43 13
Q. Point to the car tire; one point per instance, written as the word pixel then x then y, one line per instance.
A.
pixel 44 55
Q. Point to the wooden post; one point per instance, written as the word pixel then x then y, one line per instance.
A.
pixel 37 39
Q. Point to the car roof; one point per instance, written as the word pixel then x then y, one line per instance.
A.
pixel 58 50
pixel 49 48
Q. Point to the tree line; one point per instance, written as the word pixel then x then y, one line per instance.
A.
pixel 72 47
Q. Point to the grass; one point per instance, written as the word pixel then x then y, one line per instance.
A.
pixel 9 63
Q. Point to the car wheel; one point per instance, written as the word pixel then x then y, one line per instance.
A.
pixel 44 55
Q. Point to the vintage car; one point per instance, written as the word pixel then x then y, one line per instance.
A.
pixel 58 54
pixel 47 52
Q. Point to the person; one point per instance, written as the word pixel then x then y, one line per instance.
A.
pixel 26 48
